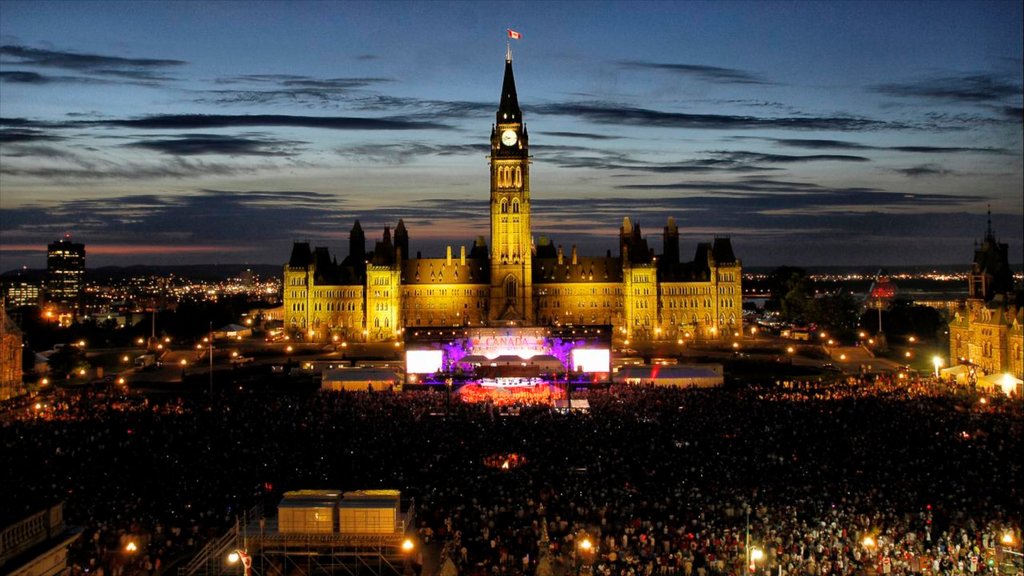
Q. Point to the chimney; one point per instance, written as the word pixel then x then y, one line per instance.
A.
pixel 573 254
pixel 448 257
pixel 462 255
pixel 560 255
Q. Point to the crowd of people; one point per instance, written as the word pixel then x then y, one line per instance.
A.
pixel 661 481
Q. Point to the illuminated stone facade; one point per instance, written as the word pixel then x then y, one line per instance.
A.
pixel 10 358
pixel 513 280
pixel 988 331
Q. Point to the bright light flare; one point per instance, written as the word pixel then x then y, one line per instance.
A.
pixel 408 545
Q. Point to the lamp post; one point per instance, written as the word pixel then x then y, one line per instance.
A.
pixel 447 397
pixel 756 555
pixel 869 547
pixel 211 358
pixel 585 549
pixel 407 560
pixel 237 556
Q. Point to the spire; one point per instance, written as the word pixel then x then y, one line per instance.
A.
pixel 988 232
pixel 508 110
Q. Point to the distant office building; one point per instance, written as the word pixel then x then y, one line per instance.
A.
pixel 10 358
pixel 513 280
pixel 22 293
pixel 987 333
pixel 65 267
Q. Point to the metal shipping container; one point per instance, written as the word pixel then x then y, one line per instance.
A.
pixel 370 512
pixel 308 512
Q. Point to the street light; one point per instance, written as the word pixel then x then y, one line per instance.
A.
pixel 585 548
pixel 237 556
pixel 756 555
pixel 937 362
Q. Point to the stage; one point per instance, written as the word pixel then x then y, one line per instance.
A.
pixel 513 362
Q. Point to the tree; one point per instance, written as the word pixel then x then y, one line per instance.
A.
pixel 791 292
pixel 839 313
pixel 67 360
pixel 905 318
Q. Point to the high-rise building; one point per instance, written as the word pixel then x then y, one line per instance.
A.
pixel 65 267
pixel 514 280
pixel 987 333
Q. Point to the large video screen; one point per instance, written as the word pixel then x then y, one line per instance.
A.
pixel 423 361
pixel 591 360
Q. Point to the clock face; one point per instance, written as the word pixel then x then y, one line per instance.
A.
pixel 508 137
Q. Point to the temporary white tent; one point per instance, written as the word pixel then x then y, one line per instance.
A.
pixel 1007 383
pixel 960 373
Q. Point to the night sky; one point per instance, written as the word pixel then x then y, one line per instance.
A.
pixel 811 133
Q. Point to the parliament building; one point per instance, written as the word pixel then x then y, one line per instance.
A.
pixel 511 280
pixel 987 332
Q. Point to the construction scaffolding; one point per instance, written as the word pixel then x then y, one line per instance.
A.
pixel 255 547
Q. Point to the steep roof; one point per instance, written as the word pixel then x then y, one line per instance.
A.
pixel 722 251
pixel 301 255
pixel 587 269
pixel 508 109
pixel 420 271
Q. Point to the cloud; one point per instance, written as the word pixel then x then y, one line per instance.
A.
pixel 305 82
pixel 583 135
pixel 288 88
pixel 716 161
pixel 22 77
pixel 743 156
pixel 67 166
pixel 19 135
pixel 205 216
pixel 702 72
pixel 134 68
pixel 1014 113
pixel 203 121
pixel 207 121
pixel 624 115
pixel 405 152
pixel 969 88
pixel 820 144
pixel 758 195
pixel 924 170
pixel 197 144
pixel 763 236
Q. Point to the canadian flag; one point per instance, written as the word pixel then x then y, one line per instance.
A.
pixel 514 35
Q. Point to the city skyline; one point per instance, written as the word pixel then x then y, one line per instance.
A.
pixel 810 133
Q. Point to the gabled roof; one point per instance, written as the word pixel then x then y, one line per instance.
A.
pixel 421 271
pixel 587 269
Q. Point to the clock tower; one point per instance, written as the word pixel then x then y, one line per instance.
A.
pixel 511 243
